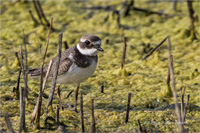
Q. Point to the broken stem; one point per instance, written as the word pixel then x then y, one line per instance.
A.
pixel 191 13
pixel 76 98
pixel 33 18
pixel 147 11
pixel 102 88
pixel 66 45
pixel 38 11
pixel 70 93
pixel 42 13
pixel 175 4
pixel 140 127
pixel 156 47
pixel 168 77
pixel 128 107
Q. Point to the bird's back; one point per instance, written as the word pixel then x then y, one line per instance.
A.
pixel 69 57
pixel 64 64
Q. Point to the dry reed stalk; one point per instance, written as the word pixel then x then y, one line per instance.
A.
pixel 156 47
pixel 81 113
pixel 33 18
pixel 118 17
pixel 66 45
pixel 16 89
pixel 44 83
pixel 76 97
pixel 57 115
pixel 185 108
pixel 25 68
pixel 191 13
pixel 168 76
pixel 17 56
pixel 42 13
pixel 140 127
pixel 22 125
pixel 70 93
pixel 55 73
pixel 184 105
pixel 148 11
pixel 175 4
pixel 38 11
pixel 102 88
pixel 182 102
pixel 18 82
pixel 180 122
pixel 128 107
pixel 8 123
pixel 22 96
pixel 47 74
pixel 38 108
pixel 128 7
pixel 192 19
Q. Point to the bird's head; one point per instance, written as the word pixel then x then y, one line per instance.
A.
pixel 89 44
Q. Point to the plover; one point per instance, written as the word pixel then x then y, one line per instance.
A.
pixel 77 63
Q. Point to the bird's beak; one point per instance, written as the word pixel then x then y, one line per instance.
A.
pixel 100 49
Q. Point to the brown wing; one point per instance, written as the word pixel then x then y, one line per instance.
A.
pixel 65 64
pixel 63 67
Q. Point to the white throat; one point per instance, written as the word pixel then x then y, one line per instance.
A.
pixel 89 52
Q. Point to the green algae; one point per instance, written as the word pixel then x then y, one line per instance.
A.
pixel 146 80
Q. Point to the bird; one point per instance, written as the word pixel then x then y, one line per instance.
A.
pixel 77 63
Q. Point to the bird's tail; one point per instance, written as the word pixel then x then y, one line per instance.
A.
pixel 34 72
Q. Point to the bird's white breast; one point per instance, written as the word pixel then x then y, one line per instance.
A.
pixel 76 74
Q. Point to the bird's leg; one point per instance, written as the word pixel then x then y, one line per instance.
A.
pixel 76 98
pixel 58 95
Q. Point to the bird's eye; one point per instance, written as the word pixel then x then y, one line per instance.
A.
pixel 87 42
